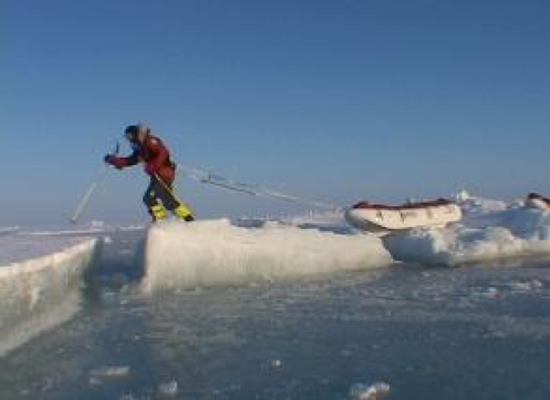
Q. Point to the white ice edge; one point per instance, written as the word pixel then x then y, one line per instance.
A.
pixel 66 232
pixel 41 293
pixel 216 253
pixel 4 230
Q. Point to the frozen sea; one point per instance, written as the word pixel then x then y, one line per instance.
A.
pixel 479 331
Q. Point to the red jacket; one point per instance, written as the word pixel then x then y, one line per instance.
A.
pixel 156 157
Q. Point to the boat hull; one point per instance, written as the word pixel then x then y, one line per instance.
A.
pixel 384 220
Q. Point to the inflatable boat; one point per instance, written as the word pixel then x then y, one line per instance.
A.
pixel 384 219
pixel 535 200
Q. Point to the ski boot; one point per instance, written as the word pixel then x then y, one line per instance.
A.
pixel 182 212
pixel 157 212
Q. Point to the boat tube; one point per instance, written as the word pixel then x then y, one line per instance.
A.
pixel 383 219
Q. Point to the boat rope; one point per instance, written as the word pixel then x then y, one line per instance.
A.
pixel 205 177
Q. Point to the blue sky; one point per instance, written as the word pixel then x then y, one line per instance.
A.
pixel 332 100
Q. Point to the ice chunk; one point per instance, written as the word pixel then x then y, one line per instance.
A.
pixel 168 389
pixel 490 230
pixel 492 293
pixel 377 391
pixel 463 196
pixel 528 286
pixel 40 281
pixel 110 372
pixel 475 206
pixel 95 224
pixel 94 381
pixel 210 253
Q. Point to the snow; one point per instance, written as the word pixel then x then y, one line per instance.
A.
pixel 323 220
pixel 332 220
pixel 21 247
pixel 68 232
pixel 131 228
pixel 40 280
pixel 217 253
pixel 91 228
pixel 490 230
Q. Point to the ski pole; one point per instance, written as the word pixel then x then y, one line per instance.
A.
pixel 81 207
pixel 87 196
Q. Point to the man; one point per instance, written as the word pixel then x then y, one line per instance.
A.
pixel 150 150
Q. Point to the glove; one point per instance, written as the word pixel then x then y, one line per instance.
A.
pixel 113 160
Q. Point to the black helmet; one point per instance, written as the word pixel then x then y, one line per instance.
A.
pixel 132 131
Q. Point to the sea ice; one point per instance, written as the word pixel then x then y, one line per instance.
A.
pixel 40 281
pixel 213 253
